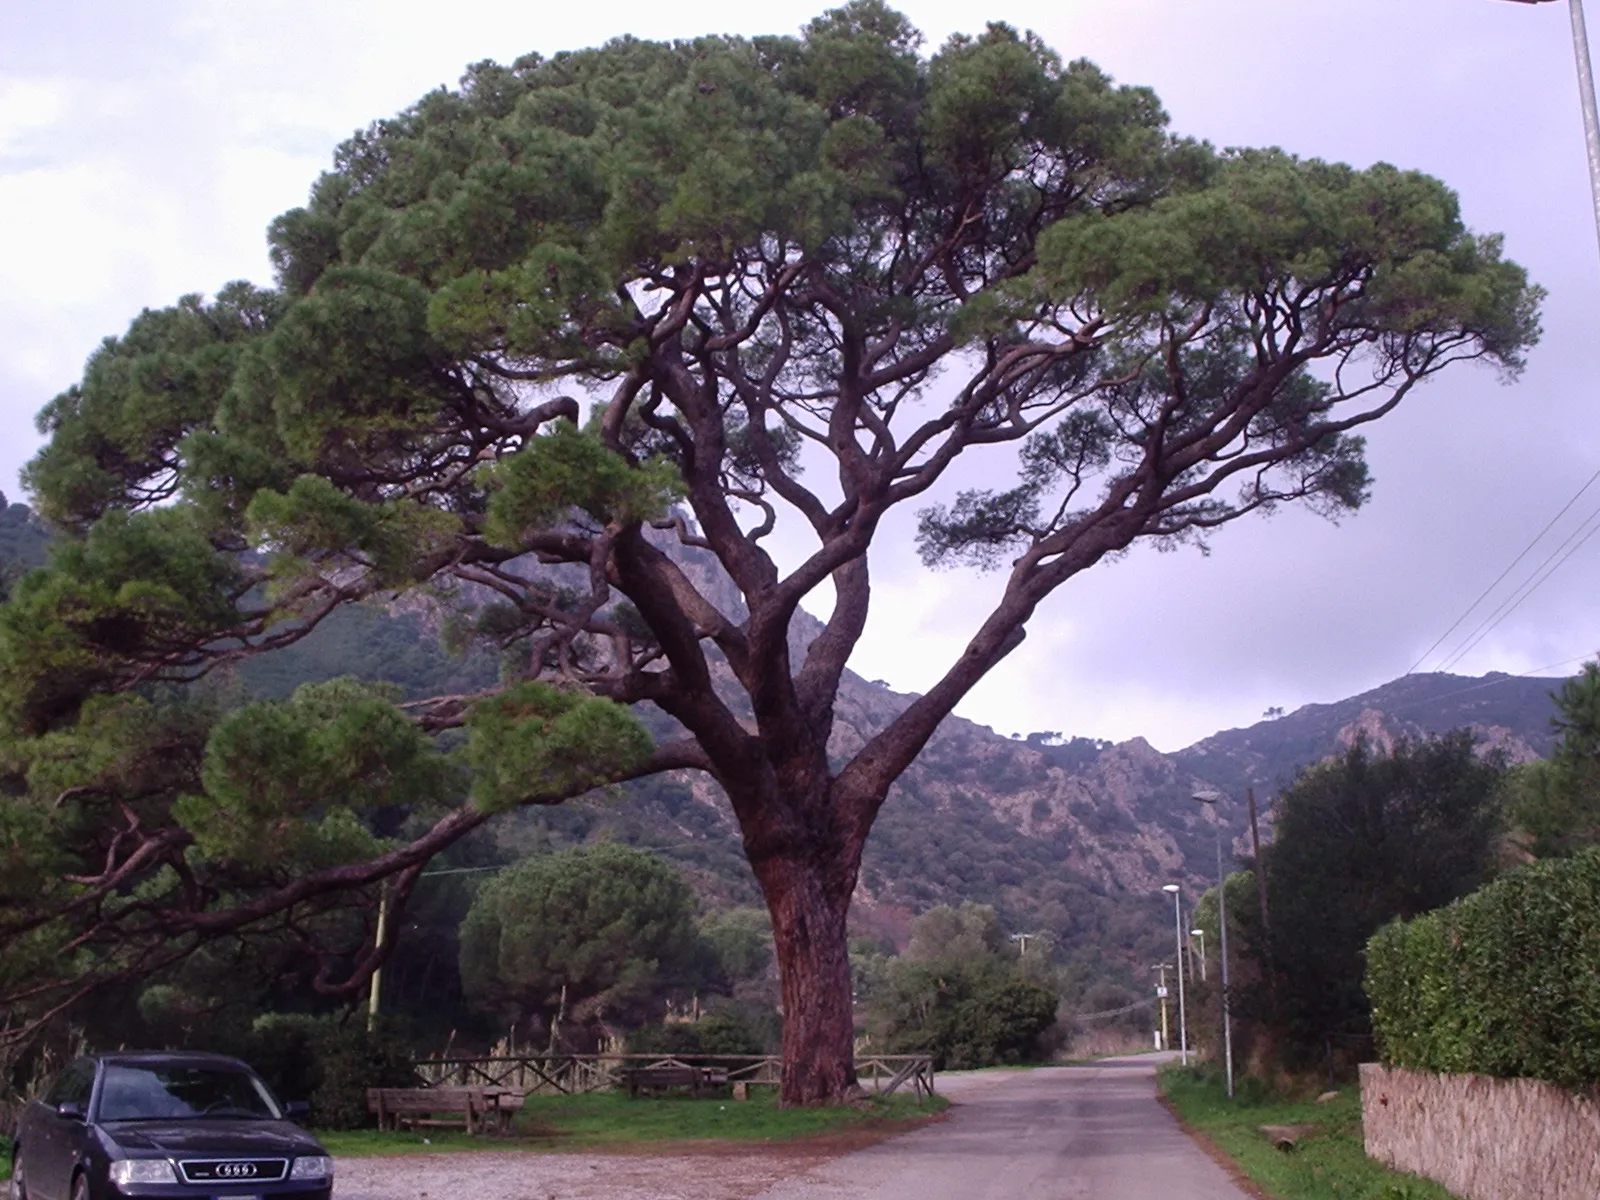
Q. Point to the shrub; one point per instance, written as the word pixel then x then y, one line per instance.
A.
pixel 727 1032
pixel 664 1039
pixel 331 1065
pixel 1003 1024
pixel 1504 982
pixel 966 1014
pixel 722 1032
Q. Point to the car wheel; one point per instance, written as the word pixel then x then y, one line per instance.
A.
pixel 80 1188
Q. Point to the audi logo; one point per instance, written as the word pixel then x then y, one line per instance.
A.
pixel 236 1170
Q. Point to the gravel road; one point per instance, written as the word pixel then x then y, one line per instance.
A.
pixel 1057 1133
pixel 532 1176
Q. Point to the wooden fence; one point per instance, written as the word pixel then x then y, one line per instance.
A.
pixel 570 1074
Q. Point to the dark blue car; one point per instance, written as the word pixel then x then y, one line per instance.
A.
pixel 164 1125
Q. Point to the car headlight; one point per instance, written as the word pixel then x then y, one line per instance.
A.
pixel 142 1170
pixel 312 1166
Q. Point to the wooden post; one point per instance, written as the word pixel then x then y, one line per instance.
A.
pixel 377 972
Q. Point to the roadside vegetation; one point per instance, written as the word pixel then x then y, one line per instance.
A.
pixel 613 1119
pixel 1328 1161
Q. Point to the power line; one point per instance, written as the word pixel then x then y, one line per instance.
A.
pixel 1488 683
pixel 1501 577
pixel 1514 601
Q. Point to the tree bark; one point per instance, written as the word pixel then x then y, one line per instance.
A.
pixel 810 901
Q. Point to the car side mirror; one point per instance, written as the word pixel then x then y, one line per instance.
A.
pixel 296 1110
pixel 70 1110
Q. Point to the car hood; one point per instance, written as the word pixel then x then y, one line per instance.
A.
pixel 220 1137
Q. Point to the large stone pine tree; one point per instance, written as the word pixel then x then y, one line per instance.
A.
pixel 694 290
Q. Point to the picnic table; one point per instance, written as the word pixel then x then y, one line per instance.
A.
pixel 666 1077
pixel 476 1107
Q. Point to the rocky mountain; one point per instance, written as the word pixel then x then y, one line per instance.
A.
pixel 1509 713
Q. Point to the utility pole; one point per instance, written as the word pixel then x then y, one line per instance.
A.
pixel 1261 874
pixel 1212 799
pixel 1161 992
pixel 377 972
pixel 1591 119
pixel 1222 928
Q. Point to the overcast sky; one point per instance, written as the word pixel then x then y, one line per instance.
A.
pixel 145 145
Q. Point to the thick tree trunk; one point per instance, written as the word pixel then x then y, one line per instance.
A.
pixel 809 902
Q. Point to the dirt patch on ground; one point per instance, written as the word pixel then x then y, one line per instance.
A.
pixel 664 1171
pixel 820 1146
pixel 495 1175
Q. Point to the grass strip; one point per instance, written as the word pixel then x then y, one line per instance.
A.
pixel 603 1119
pixel 1328 1163
pixel 613 1119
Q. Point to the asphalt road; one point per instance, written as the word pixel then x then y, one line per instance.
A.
pixel 1057 1133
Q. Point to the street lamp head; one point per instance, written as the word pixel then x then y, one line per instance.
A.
pixel 1197 932
pixel 1171 887
pixel 1206 795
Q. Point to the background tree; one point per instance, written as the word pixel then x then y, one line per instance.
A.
pixel 745 257
pixel 741 940
pixel 1357 842
pixel 959 993
pixel 22 543
pixel 1555 802
pixel 603 933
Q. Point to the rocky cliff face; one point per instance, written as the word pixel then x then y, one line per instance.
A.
pixel 1063 835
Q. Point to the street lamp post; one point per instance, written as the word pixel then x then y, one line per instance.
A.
pixel 1201 934
pixel 1591 119
pixel 1177 928
pixel 1211 798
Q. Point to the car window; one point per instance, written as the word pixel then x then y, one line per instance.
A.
pixel 73 1085
pixel 182 1092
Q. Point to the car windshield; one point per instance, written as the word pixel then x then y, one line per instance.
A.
pixel 182 1092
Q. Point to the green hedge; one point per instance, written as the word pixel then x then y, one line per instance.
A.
pixel 1503 982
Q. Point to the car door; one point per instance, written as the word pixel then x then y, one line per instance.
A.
pixel 34 1129
pixel 57 1138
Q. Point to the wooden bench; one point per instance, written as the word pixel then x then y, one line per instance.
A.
pixel 696 1080
pixel 474 1107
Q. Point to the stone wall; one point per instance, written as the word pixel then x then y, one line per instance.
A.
pixel 1483 1138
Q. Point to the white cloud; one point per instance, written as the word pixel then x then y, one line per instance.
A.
pixel 28 108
